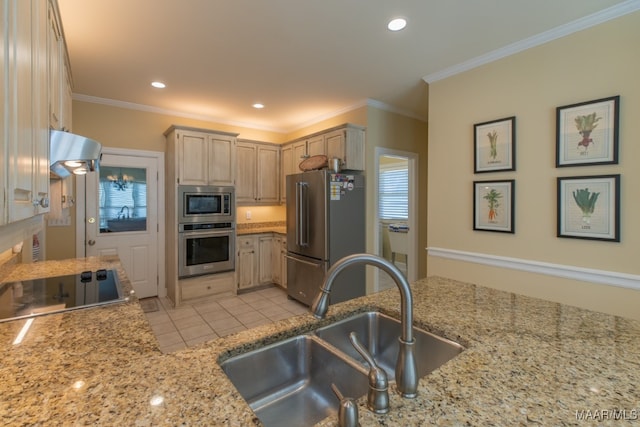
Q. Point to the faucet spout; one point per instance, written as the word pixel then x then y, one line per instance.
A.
pixel 406 370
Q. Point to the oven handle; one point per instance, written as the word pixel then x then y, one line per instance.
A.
pixel 207 233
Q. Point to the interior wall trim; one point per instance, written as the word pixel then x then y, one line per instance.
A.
pixel 615 11
pixel 602 277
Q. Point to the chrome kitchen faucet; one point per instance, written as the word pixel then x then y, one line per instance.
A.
pixel 406 369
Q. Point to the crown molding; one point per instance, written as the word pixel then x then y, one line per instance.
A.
pixel 157 110
pixel 588 21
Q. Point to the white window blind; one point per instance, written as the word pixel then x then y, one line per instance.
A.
pixel 393 193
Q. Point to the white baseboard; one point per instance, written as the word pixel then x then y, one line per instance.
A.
pixel 603 277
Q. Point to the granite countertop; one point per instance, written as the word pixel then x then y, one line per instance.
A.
pixel 527 362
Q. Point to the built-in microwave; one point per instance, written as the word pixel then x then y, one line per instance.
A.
pixel 201 204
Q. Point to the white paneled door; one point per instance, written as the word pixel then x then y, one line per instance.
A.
pixel 121 217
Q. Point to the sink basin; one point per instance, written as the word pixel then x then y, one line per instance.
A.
pixel 379 334
pixel 289 383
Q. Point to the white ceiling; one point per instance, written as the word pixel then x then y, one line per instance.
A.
pixel 304 59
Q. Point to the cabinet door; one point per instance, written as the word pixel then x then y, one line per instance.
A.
pixel 54 65
pixel 246 173
pixel 40 108
pixel 275 260
pixel 286 168
pixel 268 183
pixel 4 70
pixel 247 263
pixel 193 156
pixel 221 160
pixel 335 145
pixel 21 148
pixel 316 146
pixel 299 154
pixel 265 267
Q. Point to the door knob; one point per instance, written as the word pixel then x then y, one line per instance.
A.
pixel 91 242
pixel 91 220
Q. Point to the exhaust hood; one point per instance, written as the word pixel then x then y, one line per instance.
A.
pixel 70 153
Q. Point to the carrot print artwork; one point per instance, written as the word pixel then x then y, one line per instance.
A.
pixel 492 198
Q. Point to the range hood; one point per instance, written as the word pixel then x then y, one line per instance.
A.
pixel 70 153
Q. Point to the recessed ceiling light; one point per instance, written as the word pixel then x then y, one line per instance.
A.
pixel 158 85
pixel 258 105
pixel 397 24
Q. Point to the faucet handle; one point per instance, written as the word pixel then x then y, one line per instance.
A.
pixel 348 410
pixel 378 396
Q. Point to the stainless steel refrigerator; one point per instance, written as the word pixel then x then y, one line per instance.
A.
pixel 325 222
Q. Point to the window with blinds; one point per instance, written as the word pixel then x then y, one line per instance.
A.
pixel 122 195
pixel 393 192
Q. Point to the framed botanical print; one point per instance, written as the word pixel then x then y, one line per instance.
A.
pixel 587 133
pixel 493 206
pixel 589 207
pixel 495 145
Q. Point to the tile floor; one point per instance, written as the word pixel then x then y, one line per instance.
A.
pixel 193 324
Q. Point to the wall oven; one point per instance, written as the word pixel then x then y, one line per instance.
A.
pixel 201 204
pixel 205 248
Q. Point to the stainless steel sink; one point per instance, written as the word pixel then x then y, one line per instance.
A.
pixel 289 383
pixel 379 334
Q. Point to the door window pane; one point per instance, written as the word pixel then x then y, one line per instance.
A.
pixel 122 199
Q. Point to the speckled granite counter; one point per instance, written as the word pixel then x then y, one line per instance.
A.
pixel 527 362
pixel 261 227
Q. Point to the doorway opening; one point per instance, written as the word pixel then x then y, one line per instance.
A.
pixel 396 227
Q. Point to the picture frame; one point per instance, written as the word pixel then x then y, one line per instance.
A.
pixel 587 133
pixel 494 206
pixel 589 207
pixel 495 145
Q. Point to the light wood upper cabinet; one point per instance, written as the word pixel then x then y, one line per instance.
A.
pixel 347 144
pixel 258 173
pixel 25 130
pixel 286 168
pixel 316 146
pixel 200 157
pixel 246 173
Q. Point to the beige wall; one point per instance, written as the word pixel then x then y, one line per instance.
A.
pixel 592 64
pixel 394 131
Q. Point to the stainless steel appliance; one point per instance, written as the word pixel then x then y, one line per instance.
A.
pixel 325 222
pixel 205 204
pixel 36 297
pixel 70 153
pixel 205 248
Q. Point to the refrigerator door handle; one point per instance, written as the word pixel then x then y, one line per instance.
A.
pixel 302 214
pixel 312 264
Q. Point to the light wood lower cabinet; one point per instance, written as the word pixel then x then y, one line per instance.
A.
pixel 260 259
pixel 247 262
pixel 279 260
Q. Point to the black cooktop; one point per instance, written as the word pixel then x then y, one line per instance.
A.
pixel 37 297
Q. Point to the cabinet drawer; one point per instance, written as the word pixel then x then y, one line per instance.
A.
pixel 209 285
pixel 246 242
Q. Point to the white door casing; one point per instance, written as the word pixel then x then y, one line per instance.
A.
pixel 139 251
pixel 412 256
